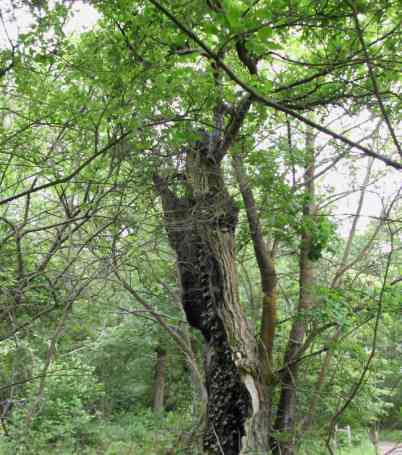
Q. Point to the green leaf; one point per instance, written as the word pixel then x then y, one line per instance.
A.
pixel 265 33
pixel 233 13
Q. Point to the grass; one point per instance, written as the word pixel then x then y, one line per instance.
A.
pixel 147 434
pixel 130 434
pixel 361 446
pixel 365 448
pixel 391 435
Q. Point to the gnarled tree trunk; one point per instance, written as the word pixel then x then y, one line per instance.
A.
pixel 201 228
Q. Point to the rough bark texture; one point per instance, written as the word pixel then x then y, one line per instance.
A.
pixel 201 229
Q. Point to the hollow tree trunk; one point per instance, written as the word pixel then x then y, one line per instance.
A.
pixel 201 228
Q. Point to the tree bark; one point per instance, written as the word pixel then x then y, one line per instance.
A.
pixel 160 376
pixel 201 229
pixel 285 420
pixel 266 266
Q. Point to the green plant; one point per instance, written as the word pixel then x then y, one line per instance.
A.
pixel 62 414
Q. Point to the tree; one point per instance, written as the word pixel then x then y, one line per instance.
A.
pixel 158 100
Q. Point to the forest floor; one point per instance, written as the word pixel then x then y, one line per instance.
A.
pixel 390 448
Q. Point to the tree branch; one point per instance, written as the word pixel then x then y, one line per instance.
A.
pixel 373 76
pixel 267 102
pixel 69 177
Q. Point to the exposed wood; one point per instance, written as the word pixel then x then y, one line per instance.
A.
pixel 201 228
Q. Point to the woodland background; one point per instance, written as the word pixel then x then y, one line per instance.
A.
pixel 300 99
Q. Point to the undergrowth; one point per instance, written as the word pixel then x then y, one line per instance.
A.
pixel 128 434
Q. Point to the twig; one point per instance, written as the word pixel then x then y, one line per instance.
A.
pixel 69 177
pixel 373 76
pixel 273 104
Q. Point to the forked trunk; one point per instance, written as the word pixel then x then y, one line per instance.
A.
pixel 201 228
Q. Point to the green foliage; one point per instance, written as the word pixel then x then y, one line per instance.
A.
pixel 391 435
pixel 65 100
pixel 323 236
pixel 129 434
pixel 361 445
pixel 123 361
pixel 71 390
pixel 365 448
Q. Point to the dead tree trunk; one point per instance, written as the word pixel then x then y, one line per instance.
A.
pixel 201 229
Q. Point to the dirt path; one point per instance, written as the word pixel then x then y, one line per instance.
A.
pixel 390 448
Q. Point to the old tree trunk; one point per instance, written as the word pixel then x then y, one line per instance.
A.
pixel 201 228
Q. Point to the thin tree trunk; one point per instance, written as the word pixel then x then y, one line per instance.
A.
pixel 342 268
pixel 285 421
pixel 160 377
pixel 200 396
pixel 374 437
pixel 266 266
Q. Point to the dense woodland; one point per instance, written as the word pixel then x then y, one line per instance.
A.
pixel 200 227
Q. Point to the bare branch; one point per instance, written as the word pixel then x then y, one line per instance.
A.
pixel 69 177
pixel 372 75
